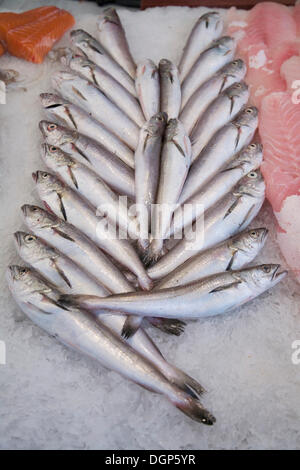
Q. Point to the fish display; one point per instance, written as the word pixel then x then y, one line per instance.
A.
pixel 153 182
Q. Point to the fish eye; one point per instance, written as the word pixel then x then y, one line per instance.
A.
pixel 23 271
pixel 30 238
pixel 253 174
pixel 235 62
pixel 267 269
pixel 254 234
pixel 34 209
pixel 51 127
pixel 252 146
pixel 52 148
pixel 44 175
pixel 249 111
pixel 237 85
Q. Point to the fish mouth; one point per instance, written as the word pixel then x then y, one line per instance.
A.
pixel 278 275
pixel 25 209
pixel 42 127
pixel 34 176
pixel 264 235
pixel 17 237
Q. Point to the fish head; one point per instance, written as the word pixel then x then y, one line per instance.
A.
pixel 47 183
pixel 252 185
pixel 50 100
pixel 35 217
pixel 23 282
pixel 55 157
pixel 248 117
pixel 31 248
pixel 262 277
pixel 211 21
pixel 146 67
pixel 109 16
pixel 57 135
pixel 156 124
pixel 84 41
pixel 237 68
pixel 238 90
pixel 250 158
pixel 249 243
pixel 166 67
pixel 223 46
pixel 173 129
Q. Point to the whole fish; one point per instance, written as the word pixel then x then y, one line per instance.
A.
pixel 229 216
pixel 112 36
pixel 248 159
pixel 207 297
pixel 91 187
pixel 85 150
pixel 66 276
pixel 78 330
pixel 75 245
pixel 234 253
pixel 74 117
pixel 175 162
pixel 226 142
pixel 148 88
pixel 91 99
pixel 147 163
pixel 221 111
pixel 206 29
pixel 65 203
pixel 108 85
pixel 93 50
pixel 170 89
pixel 216 56
pixel 199 101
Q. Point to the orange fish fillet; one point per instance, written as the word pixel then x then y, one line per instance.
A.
pixel 10 20
pixel 33 41
pixel 2 50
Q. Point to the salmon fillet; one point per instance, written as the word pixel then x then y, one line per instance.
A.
pixel 33 41
pixel 10 20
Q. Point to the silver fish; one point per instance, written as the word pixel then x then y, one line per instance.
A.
pixel 75 245
pixel 93 50
pixel 234 253
pixel 74 117
pixel 111 88
pixel 216 56
pixel 90 186
pixel 214 295
pixel 65 203
pixel 226 142
pixel 86 95
pixel 85 150
pixel 229 216
pixel 170 89
pixel 175 162
pixel 199 101
pixel 221 111
pixel 206 29
pixel 248 159
pixel 147 164
pixel 66 276
pixel 148 88
pixel 77 329
pixel 112 36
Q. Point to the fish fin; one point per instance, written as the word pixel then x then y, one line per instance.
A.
pixel 69 114
pixel 193 409
pixel 94 48
pixel 62 234
pixel 81 153
pixel 61 273
pixel 178 147
pixel 153 73
pixel 50 301
pixel 68 300
pixel 131 325
pixel 232 207
pixel 145 282
pixel 72 176
pixel 62 207
pixel 167 325
pixel 227 286
pixel 231 260
pixel 171 77
pixel 145 142
pixel 231 105
pixel 78 93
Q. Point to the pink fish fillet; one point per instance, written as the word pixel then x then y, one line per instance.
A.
pixel 290 72
pixel 280 134
pixel 267 37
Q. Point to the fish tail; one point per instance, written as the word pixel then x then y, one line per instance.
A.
pixel 154 252
pixel 145 281
pixel 185 382
pixel 131 325
pixel 194 409
pixel 168 325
